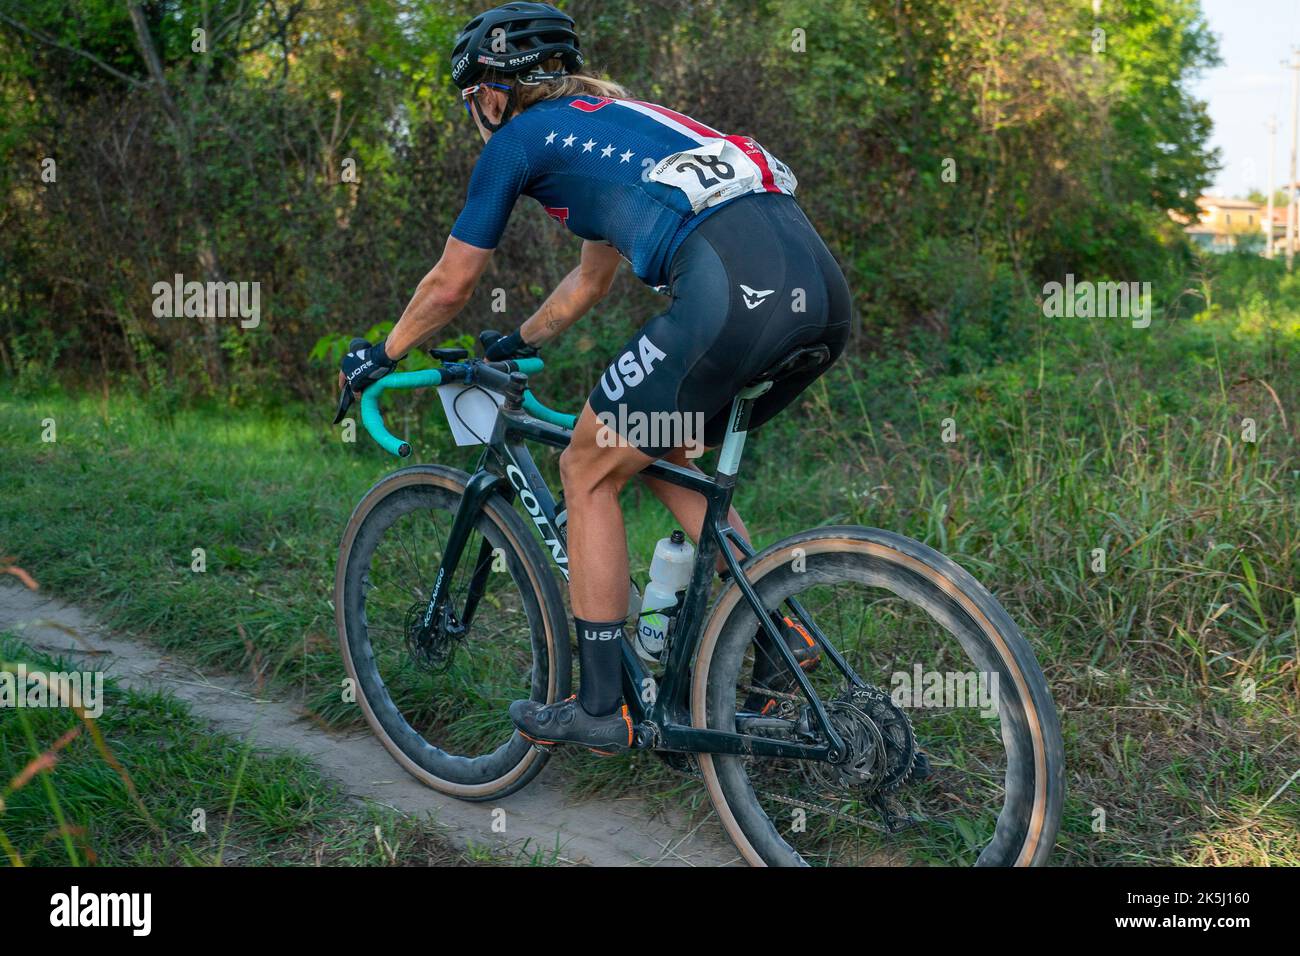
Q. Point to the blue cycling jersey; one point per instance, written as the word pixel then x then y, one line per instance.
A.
pixel 633 174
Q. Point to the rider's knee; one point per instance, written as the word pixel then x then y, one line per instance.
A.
pixel 583 474
pixel 577 473
pixel 570 469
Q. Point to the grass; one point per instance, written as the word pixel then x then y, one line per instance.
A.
pixel 1174 663
pixel 147 783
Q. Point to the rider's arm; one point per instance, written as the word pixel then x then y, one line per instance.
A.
pixel 577 292
pixel 498 177
pixel 439 297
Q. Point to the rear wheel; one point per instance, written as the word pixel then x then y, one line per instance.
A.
pixel 435 693
pixel 955 753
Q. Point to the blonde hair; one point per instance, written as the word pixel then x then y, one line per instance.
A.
pixel 581 83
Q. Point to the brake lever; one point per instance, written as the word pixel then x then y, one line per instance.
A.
pixel 345 402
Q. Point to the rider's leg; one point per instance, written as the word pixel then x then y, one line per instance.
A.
pixel 593 474
pixel 592 477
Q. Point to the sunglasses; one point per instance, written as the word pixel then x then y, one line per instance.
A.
pixel 470 92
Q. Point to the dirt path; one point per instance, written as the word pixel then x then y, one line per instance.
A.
pixel 611 832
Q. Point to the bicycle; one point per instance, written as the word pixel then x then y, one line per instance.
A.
pixel 835 773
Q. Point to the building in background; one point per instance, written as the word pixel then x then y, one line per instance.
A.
pixel 1226 224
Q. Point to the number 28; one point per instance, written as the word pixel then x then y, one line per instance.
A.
pixel 716 166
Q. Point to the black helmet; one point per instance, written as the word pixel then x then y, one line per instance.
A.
pixel 514 38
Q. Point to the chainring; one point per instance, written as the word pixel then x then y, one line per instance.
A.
pixel 880 741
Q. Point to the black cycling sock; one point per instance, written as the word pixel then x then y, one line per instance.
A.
pixel 600 653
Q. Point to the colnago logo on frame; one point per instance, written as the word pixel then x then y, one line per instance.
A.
pixel 534 508
pixel 76 909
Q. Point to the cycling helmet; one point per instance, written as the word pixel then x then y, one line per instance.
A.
pixel 515 39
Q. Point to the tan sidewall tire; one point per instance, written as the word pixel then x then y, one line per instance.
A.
pixel 545 591
pixel 1009 646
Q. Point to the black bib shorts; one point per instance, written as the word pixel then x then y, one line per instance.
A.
pixel 749 284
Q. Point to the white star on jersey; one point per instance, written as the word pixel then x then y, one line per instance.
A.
pixel 606 153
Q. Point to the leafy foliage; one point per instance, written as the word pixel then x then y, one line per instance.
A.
pixel 955 154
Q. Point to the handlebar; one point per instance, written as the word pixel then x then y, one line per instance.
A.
pixel 373 420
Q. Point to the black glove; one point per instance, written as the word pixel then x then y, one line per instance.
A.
pixel 364 363
pixel 501 347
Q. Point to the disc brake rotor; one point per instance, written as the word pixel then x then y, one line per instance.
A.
pixel 431 647
pixel 862 766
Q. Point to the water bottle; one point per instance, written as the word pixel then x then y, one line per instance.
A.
pixel 670 573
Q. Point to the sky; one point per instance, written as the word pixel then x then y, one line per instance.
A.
pixel 1255 38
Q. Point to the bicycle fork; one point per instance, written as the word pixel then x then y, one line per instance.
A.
pixel 481 486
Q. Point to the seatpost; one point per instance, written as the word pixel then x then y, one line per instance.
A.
pixel 733 446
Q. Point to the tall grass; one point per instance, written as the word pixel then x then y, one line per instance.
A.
pixel 146 783
pixel 1174 665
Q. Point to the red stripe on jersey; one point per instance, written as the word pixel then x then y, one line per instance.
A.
pixel 751 150
pixel 693 125
pixel 586 107
pixel 743 142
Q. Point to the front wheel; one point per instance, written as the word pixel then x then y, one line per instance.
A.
pixel 435 691
pixel 955 752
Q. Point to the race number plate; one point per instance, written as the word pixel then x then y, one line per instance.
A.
pixel 720 170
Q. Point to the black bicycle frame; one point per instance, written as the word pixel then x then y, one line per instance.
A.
pixel 507 468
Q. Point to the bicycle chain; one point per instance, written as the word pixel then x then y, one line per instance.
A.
pixel 686 765
pixel 696 774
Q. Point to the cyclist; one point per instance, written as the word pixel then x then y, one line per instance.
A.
pixel 708 218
